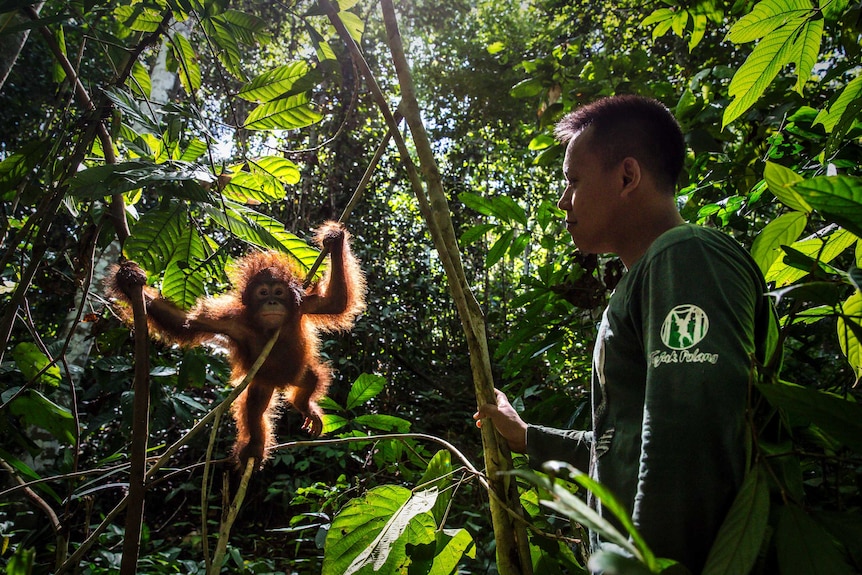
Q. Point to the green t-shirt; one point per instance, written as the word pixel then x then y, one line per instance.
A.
pixel 669 389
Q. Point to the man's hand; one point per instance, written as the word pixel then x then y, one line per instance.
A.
pixel 506 420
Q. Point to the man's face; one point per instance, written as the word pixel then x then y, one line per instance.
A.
pixel 589 200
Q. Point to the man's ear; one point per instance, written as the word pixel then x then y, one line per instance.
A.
pixel 630 171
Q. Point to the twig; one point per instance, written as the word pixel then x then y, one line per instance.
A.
pixel 229 515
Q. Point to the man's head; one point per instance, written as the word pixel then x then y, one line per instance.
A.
pixel 623 156
pixel 630 126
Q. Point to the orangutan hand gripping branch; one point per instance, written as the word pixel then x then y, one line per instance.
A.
pixel 267 295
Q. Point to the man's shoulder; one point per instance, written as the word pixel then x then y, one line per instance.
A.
pixel 691 236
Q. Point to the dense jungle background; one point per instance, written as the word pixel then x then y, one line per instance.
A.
pixel 185 133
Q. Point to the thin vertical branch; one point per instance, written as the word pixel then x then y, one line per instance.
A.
pixel 140 435
pixel 513 554
pixel 229 515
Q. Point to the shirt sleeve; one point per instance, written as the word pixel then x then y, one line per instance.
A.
pixel 697 310
pixel 547 443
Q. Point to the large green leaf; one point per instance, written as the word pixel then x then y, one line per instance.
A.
pixel 830 116
pixel 808 46
pixel 174 178
pixel 839 418
pixel 738 542
pixel 498 250
pixel 847 334
pixel 253 188
pixel 366 536
pixel 768 58
pixel 34 364
pixel 804 547
pixel 274 83
pixel 138 17
pixel 783 230
pixel 765 17
pixel 452 545
pixel 262 231
pixel 279 168
pixel 838 198
pixel 187 63
pixel 288 113
pixel 139 117
pixel 155 237
pixel 364 388
pixel 780 181
pixel 438 474
pixel 36 409
pixel 820 251
pixel 184 278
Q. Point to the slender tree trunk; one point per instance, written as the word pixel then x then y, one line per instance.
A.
pixel 513 553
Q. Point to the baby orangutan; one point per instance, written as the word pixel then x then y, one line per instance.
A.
pixel 267 295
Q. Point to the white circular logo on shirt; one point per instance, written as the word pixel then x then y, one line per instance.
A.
pixel 684 326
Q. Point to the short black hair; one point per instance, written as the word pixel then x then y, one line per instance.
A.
pixel 630 125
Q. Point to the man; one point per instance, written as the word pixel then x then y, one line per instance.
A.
pixel 675 346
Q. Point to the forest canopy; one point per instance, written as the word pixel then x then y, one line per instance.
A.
pixel 185 134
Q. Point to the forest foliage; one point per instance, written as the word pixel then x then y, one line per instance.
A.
pixel 184 133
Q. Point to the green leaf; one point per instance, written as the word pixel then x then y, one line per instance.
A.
pixel 225 45
pixel 476 202
pixel 783 230
pixel 841 115
pixel 279 168
pixel 138 17
pixel 498 250
pixel 274 83
pixel 804 547
pixel 174 179
pixel 139 117
pixel 527 88
pixel 452 546
pixel 611 563
pixel 780 181
pixel 189 71
pixel 817 251
pixel 847 336
pixel 253 189
pixel 186 274
pixel 575 507
pixel 354 25
pixel 808 46
pixel 839 418
pixel 768 58
pixel 286 114
pixel 837 198
pixel 738 542
pixel 495 47
pixel 765 17
pixel 156 236
pixel 476 233
pixel 384 422
pixel 139 82
pixel 332 423
pixel 262 231
pixel 657 16
pixel 364 388
pixel 366 536
pixel 247 28
pixel 36 409
pixel 541 142
pixel 31 361
pixel 438 475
